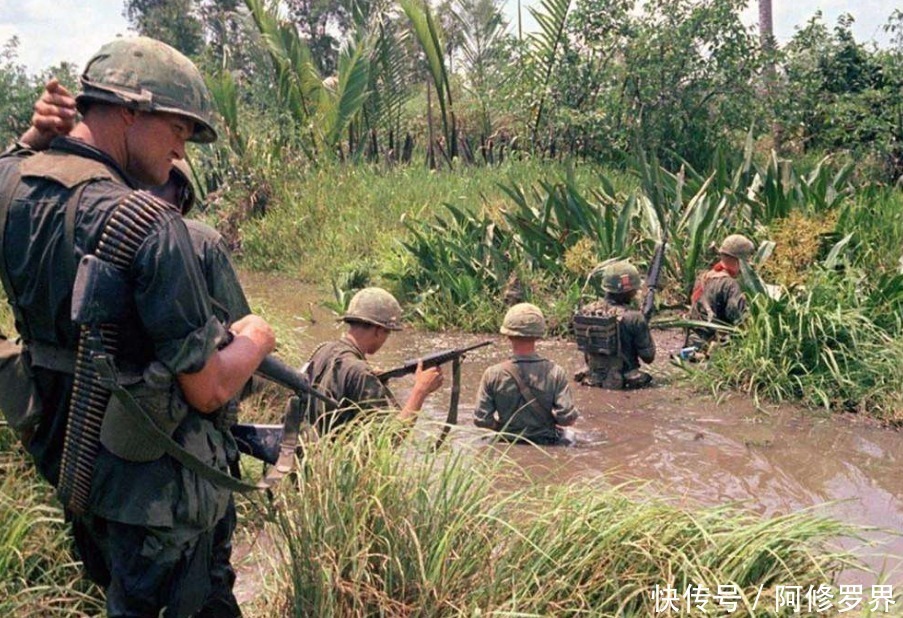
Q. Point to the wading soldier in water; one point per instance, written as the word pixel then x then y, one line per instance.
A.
pixel 717 296
pixel 340 369
pixel 526 397
pixel 615 362
pixel 152 530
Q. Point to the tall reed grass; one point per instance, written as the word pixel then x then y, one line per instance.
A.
pixel 38 576
pixel 837 344
pixel 377 528
pixel 322 222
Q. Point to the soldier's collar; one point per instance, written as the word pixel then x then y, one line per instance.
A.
pixel 534 356
pixel 351 344
pixel 82 149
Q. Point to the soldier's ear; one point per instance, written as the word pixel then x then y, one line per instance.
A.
pixel 128 115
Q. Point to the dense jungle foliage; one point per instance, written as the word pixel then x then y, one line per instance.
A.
pixel 437 150
pixel 447 154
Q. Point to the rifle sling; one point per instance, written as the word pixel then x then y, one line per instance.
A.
pixel 288 447
pixel 526 391
pixel 452 417
pixel 103 363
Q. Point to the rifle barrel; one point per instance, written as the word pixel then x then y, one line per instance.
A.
pixel 279 372
pixel 430 360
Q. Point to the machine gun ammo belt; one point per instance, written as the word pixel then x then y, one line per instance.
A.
pixel 131 222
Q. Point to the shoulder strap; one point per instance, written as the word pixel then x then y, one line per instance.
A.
pixel 7 193
pixel 104 365
pixel 69 230
pixel 530 396
pixel 67 169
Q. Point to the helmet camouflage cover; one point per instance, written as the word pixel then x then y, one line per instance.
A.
pixel 620 277
pixel 374 306
pixel 524 320
pixel 144 74
pixel 737 246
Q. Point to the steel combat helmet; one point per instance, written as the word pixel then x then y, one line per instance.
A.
pixel 144 74
pixel 620 278
pixel 374 306
pixel 737 246
pixel 524 320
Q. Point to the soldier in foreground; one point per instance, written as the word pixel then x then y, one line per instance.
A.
pixel 340 369
pixel 150 530
pixel 527 397
pixel 613 334
pixel 717 296
pixel 55 116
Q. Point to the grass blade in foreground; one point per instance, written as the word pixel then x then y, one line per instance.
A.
pixel 377 529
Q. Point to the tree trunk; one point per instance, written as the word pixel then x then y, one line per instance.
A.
pixel 430 152
pixel 766 38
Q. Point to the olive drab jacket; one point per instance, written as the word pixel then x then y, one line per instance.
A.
pixel 229 300
pixel 501 402
pixel 634 343
pixel 171 321
pixel 717 297
pixel 340 369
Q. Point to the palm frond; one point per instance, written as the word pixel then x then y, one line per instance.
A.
pixel 351 92
pixel 545 45
pixel 428 36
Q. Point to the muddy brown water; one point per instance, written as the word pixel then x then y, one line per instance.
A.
pixel 688 448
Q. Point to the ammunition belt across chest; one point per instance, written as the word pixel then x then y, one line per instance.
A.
pixel 127 228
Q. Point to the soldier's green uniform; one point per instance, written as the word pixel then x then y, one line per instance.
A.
pixel 152 528
pixel 717 296
pixel 621 370
pixel 527 397
pixel 340 369
pixel 229 300
pixel 229 304
pixel 620 281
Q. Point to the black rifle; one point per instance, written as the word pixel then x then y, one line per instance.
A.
pixel 454 356
pixel 430 360
pixel 652 279
pixel 266 442
pixel 274 370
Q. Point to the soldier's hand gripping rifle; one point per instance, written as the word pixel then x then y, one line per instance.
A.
pixel 455 356
pixel 276 444
pixel 653 278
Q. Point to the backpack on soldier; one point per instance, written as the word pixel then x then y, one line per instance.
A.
pixel 597 334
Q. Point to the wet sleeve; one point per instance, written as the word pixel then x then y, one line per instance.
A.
pixel 484 408
pixel 642 337
pixel 172 301
pixel 734 302
pixel 219 273
pixel 224 284
pixel 563 409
